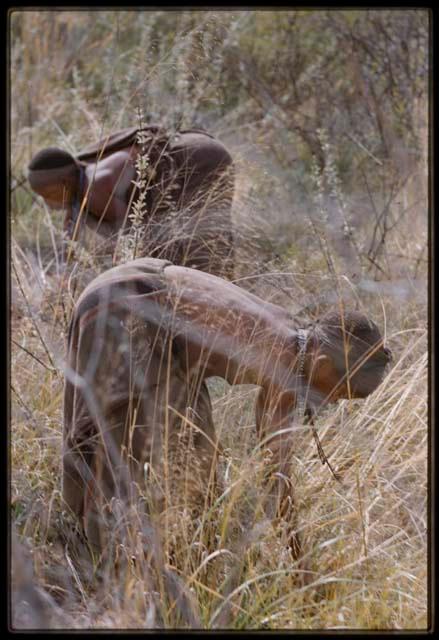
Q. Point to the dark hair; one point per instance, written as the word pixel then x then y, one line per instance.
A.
pixel 354 344
pixel 51 158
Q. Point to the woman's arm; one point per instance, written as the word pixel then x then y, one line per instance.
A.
pixel 274 413
pixel 111 181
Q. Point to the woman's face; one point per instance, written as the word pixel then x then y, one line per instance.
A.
pixel 56 186
pixel 326 380
pixel 333 385
pixel 55 195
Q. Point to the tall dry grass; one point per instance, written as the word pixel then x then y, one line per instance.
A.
pixel 76 75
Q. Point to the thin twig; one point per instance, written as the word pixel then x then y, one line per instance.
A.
pixel 29 353
pixel 37 329
pixel 358 143
pixel 360 504
pixel 22 403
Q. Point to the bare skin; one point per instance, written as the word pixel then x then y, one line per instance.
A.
pixel 186 205
pixel 108 185
pixel 219 329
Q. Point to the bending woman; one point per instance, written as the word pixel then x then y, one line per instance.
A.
pixel 185 202
pixel 143 339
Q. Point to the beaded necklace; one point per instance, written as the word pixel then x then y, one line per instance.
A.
pixel 302 341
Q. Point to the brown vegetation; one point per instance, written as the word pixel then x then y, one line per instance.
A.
pixel 325 113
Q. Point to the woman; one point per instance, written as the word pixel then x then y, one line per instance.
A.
pixel 143 339
pixel 185 204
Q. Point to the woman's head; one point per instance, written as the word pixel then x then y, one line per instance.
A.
pixel 352 356
pixel 53 174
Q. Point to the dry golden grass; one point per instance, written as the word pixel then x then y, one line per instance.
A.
pixel 366 538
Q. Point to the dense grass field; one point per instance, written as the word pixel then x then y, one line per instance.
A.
pixel 349 223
